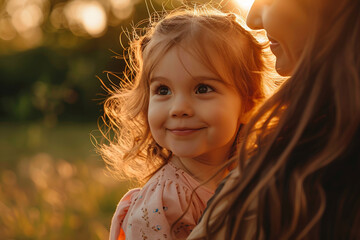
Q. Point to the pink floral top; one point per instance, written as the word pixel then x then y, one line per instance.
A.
pixel 149 213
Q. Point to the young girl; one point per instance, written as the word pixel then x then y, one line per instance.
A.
pixel 303 179
pixel 197 77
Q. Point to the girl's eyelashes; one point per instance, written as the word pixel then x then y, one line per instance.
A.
pixel 162 90
pixel 203 88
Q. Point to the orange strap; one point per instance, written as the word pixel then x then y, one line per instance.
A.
pixel 121 235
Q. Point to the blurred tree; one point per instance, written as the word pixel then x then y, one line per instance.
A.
pixel 51 52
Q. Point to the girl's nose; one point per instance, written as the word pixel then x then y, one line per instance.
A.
pixel 254 18
pixel 181 107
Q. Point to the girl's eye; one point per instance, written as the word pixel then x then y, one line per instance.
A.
pixel 203 88
pixel 163 90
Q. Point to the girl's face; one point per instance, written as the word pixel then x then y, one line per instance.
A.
pixel 287 25
pixel 192 112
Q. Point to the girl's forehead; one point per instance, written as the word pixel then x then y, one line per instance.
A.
pixel 185 50
pixel 204 52
pixel 179 61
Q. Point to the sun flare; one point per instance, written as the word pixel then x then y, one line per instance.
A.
pixel 244 4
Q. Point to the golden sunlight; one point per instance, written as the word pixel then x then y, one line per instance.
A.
pixel 244 4
pixel 94 18
pixel 86 16
pixel 7 30
pixel 20 22
pixel 122 9
pixel 27 17
pixel 120 4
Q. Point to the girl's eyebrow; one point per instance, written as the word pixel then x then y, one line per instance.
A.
pixel 207 78
pixel 212 78
pixel 155 79
pixel 196 78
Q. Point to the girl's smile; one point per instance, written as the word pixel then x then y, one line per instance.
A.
pixel 185 131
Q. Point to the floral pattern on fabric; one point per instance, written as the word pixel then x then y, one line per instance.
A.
pixel 149 213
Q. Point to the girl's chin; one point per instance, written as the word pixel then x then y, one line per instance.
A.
pixel 185 154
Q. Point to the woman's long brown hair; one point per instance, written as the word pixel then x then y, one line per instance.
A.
pixel 303 175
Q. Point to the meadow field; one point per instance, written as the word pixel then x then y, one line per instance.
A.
pixel 53 185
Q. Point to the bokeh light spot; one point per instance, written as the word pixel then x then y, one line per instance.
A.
pixel 93 18
pixel 122 9
pixel 120 4
pixel 26 18
pixel 7 31
pixel 89 17
pixel 57 17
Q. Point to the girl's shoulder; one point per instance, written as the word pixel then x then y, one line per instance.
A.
pixel 152 210
pixel 169 186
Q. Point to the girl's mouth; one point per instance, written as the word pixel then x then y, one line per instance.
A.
pixel 184 131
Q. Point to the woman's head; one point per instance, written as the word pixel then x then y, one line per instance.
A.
pixel 307 133
pixel 287 24
pixel 214 39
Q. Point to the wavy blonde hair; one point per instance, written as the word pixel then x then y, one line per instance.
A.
pixel 218 40
pixel 304 176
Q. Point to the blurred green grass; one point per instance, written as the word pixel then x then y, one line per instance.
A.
pixel 53 185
